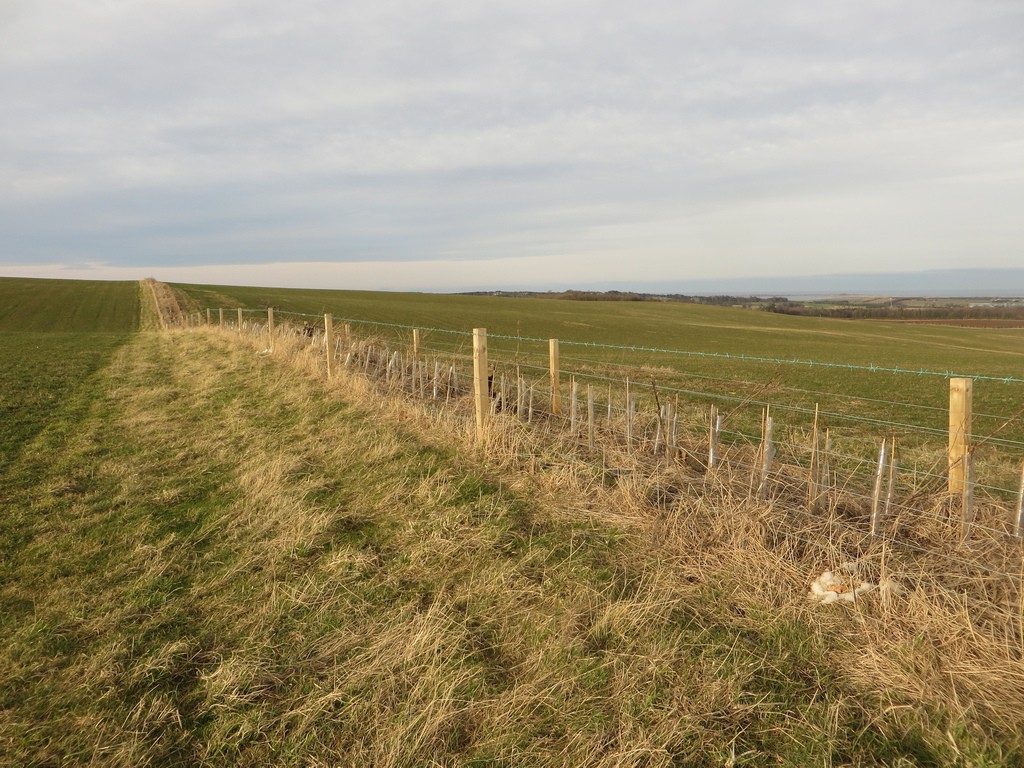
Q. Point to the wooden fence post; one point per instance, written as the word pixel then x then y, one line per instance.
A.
pixel 812 475
pixel 329 342
pixel 960 396
pixel 270 327
pixel 967 497
pixel 590 416
pixel 876 497
pixel 208 320
pixel 415 342
pixel 767 455
pixel 574 390
pixel 674 453
pixel 630 406
pixel 892 478
pixel 221 312
pixel 1020 505
pixel 480 381
pixel 239 320
pixel 714 435
pixel 556 400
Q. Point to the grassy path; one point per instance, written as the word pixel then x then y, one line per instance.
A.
pixel 217 565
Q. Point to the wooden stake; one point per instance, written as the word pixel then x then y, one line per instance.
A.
pixel 480 381
pixel 520 395
pixel 1019 523
pixel 556 398
pixel 674 449
pixel 270 327
pixel 415 342
pixel 574 389
pixel 813 493
pixel 329 342
pixel 960 412
pixel 967 498
pixel 657 431
pixel 892 479
pixel 529 409
pixel 714 433
pixel 767 457
pixel 876 497
pixel 590 416
pixel 208 320
pixel 629 417
pixel 221 313
pixel 437 377
pixel 239 320
pixel 609 402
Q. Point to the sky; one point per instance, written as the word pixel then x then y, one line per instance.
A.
pixel 475 145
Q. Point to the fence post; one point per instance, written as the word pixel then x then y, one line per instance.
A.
pixel 590 416
pixel 891 489
pixel 1020 505
pixel 714 432
pixel 574 389
pixel 221 312
pixel 960 396
pixel 767 455
pixel 270 327
pixel 967 495
pixel 415 342
pixel 629 417
pixel 812 478
pixel 556 400
pixel 209 321
pixel 876 497
pixel 480 381
pixel 329 342
pixel 239 320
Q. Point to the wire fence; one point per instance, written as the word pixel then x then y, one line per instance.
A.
pixel 880 467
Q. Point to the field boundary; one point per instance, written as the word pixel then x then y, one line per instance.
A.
pixel 519 411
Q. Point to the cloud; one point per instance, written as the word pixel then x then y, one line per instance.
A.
pixel 739 134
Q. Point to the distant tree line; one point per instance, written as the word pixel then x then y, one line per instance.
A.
pixel 861 312
pixel 573 295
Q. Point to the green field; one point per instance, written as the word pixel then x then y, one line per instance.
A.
pixel 54 336
pixel 616 340
pixel 94 306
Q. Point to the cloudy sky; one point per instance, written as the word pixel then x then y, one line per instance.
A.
pixel 411 144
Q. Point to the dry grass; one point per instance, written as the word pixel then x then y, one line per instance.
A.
pixel 239 562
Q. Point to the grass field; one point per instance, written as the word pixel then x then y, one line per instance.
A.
pixel 54 336
pixel 210 556
pixel 689 327
pixel 68 305
pixel 860 405
pixel 221 565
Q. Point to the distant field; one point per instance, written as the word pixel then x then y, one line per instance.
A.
pixel 68 305
pixel 701 331
pixel 55 335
